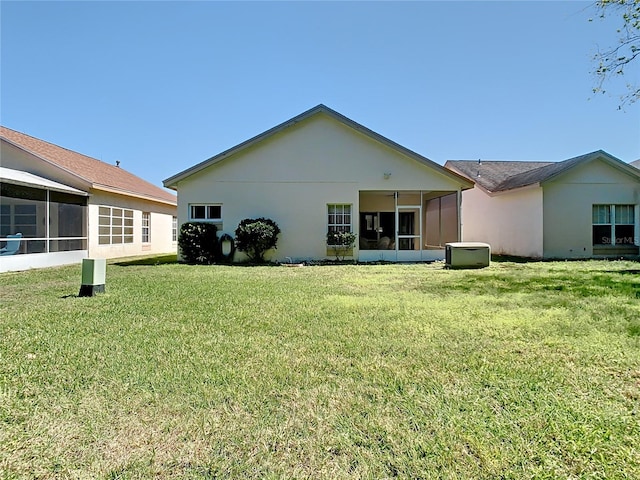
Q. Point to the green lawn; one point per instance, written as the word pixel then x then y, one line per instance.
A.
pixel 521 370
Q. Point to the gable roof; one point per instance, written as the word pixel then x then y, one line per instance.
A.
pixel 501 176
pixel 318 109
pixel 100 175
pixel 635 164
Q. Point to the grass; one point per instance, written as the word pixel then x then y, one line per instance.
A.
pixel 521 370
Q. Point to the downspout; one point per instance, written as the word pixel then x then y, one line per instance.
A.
pixel 459 211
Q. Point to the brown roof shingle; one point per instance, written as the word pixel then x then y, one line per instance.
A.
pixel 500 176
pixel 490 174
pixel 101 175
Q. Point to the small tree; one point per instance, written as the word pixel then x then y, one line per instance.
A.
pixel 615 60
pixel 256 236
pixel 198 242
pixel 342 243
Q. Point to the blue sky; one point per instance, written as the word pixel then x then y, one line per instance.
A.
pixel 162 86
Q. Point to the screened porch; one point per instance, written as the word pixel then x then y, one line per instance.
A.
pixel 407 226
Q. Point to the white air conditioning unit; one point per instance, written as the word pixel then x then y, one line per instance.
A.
pixel 467 255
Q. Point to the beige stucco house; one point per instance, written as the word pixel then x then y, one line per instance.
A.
pixel 67 206
pixel 587 206
pixel 321 172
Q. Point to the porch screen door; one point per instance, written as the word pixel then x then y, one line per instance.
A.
pixel 409 237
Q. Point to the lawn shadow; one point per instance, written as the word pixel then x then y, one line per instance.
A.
pixel 625 272
pixel 149 261
pixel 512 259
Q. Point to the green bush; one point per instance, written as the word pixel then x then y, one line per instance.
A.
pixel 256 236
pixel 345 239
pixel 342 242
pixel 198 242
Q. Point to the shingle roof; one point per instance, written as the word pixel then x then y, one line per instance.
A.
pixel 500 176
pixel 172 181
pixel 490 174
pixel 101 175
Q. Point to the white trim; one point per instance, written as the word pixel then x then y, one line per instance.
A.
pixel 28 261
pixel 395 256
pixel 146 228
pixel 342 224
pixel 174 229
pixel 612 222
pixel 121 237
pixel 25 179
pixel 206 218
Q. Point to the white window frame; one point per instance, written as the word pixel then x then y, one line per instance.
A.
pixel 208 212
pixel 116 228
pixel 174 229
pixel 146 227
pixel 612 222
pixel 337 217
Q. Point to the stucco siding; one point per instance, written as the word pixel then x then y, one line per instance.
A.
pixel 510 222
pixel 300 210
pixel 160 227
pixel 321 150
pixel 568 202
pixel 293 175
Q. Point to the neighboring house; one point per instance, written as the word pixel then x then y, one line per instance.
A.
pixel 69 206
pixel 636 163
pixel 321 172
pixel 583 207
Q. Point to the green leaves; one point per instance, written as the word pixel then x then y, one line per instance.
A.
pixel 346 239
pixel 256 236
pixel 198 242
pixel 612 62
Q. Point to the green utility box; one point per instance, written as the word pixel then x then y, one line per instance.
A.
pixel 94 272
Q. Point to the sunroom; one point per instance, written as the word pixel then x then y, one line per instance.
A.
pixel 407 226
pixel 42 222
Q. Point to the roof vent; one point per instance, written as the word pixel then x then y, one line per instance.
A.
pixel 118 163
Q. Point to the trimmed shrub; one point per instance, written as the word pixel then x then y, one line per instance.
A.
pixel 342 243
pixel 198 242
pixel 255 236
pixel 346 239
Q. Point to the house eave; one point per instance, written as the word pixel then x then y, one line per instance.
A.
pixel 26 179
pixel 497 193
pixel 117 191
pixel 172 182
pixel 598 155
pixel 86 184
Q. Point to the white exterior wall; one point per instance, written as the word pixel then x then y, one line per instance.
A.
pixel 161 213
pixel 568 202
pixel 160 227
pixel 13 263
pixel 510 222
pixel 293 175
